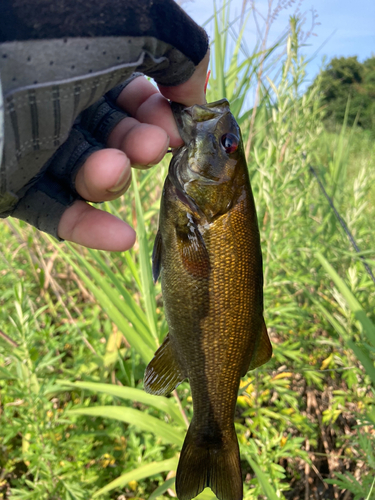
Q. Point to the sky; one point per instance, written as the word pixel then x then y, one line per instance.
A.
pixel 347 28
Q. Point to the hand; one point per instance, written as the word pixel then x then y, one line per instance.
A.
pixel 139 141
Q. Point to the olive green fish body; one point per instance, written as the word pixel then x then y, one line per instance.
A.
pixel 208 254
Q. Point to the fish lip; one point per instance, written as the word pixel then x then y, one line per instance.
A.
pixel 201 178
pixel 176 150
pixel 195 176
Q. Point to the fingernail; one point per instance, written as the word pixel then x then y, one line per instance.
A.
pixel 155 162
pixel 122 183
pixel 161 156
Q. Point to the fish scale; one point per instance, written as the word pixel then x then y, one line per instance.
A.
pixel 207 253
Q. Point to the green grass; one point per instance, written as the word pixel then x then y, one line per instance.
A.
pixel 78 327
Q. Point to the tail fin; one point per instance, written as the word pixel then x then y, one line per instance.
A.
pixel 214 464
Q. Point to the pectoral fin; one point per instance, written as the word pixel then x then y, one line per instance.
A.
pixel 163 373
pixel 156 257
pixel 193 251
pixel 261 354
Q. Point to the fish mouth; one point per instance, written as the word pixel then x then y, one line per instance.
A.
pixel 176 150
pixel 195 176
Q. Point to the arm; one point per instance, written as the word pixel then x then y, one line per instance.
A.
pixel 63 92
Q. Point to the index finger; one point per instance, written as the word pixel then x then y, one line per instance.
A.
pixel 142 100
pixel 192 91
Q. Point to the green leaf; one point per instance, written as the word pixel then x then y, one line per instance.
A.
pixel 138 474
pixel 140 419
pixel 125 302
pixel 138 395
pixel 6 374
pixel 367 325
pixel 220 42
pixel 364 358
pixel 133 269
pixel 133 313
pixel 370 492
pixel 104 300
pixel 264 481
pixel 206 495
pixel 162 488
pixel 336 325
pixel 148 287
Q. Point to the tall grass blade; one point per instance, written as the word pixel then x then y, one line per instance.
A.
pixel 133 269
pixel 162 488
pixel 329 317
pixel 138 474
pixel 368 327
pixel 114 314
pixel 263 481
pixel 234 69
pixel 133 312
pixel 366 324
pixel 123 299
pixel 145 264
pixel 161 403
pixel 220 41
pixel 364 358
pixel 143 421
pixel 370 492
pixel 340 160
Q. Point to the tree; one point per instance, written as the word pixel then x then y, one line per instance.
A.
pixel 346 77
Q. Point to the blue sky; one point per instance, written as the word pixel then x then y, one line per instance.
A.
pixel 346 27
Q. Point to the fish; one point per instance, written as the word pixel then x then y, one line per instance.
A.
pixel 208 255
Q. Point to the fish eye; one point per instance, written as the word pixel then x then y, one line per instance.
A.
pixel 229 143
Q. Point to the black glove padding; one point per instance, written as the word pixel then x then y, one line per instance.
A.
pixel 46 197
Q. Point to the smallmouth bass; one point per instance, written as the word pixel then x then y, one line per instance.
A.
pixel 207 252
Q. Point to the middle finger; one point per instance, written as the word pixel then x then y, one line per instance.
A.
pixel 144 102
pixel 142 143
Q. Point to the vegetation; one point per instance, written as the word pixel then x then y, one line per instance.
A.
pixel 78 326
pixel 347 78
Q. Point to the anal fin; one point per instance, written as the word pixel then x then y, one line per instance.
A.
pixel 261 353
pixel 163 373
